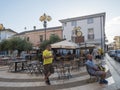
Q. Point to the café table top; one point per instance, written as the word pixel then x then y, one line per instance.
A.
pixel 23 60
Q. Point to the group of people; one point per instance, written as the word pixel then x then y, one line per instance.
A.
pixel 97 53
pixel 48 68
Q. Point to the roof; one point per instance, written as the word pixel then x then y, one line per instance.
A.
pixel 10 30
pixel 51 28
pixel 83 17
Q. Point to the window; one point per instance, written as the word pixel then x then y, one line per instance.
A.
pixel 41 38
pixel 65 24
pixel 90 31
pixel 27 38
pixel 52 34
pixel 90 34
pixel 74 33
pixel 73 38
pixel 90 20
pixel 73 23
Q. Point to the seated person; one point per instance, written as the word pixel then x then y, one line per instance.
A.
pixel 69 56
pixel 94 70
pixel 58 56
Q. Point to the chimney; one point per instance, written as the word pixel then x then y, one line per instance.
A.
pixel 34 27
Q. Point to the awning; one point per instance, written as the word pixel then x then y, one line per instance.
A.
pixel 65 44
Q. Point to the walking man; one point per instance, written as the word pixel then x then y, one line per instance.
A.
pixel 48 60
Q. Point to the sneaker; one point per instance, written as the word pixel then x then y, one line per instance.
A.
pixel 47 82
pixel 103 81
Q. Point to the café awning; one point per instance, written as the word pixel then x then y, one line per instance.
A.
pixel 65 44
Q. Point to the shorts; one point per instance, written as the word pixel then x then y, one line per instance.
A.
pixel 99 73
pixel 48 68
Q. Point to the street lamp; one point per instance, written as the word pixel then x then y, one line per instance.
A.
pixel 44 18
pixel 1 28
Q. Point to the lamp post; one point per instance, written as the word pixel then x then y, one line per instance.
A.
pixel 1 28
pixel 44 18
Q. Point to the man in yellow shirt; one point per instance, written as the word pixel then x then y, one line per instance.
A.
pixel 48 60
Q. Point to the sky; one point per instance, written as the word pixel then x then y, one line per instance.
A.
pixel 18 14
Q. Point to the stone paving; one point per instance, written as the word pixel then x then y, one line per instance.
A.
pixel 78 81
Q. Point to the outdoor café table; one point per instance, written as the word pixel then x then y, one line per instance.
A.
pixel 35 67
pixel 5 60
pixel 67 64
pixel 16 64
pixel 65 69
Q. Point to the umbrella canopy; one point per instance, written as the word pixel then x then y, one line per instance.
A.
pixel 65 44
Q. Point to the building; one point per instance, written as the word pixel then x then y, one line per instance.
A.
pixel 6 34
pixel 37 36
pixel 91 26
pixel 117 42
pixel 111 46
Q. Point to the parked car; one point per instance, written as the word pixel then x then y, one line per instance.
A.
pixel 117 55
pixel 112 53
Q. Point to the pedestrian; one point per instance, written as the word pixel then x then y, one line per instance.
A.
pixel 95 71
pixel 95 54
pixel 47 62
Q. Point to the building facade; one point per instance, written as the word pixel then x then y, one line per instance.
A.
pixel 91 26
pixel 37 36
pixel 6 34
pixel 111 46
pixel 117 42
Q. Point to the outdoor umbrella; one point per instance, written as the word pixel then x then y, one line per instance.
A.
pixel 65 45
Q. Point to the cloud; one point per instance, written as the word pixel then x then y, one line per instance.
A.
pixel 114 21
pixel 112 28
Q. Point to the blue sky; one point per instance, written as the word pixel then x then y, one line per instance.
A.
pixel 17 14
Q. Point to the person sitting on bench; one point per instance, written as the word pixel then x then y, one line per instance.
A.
pixel 95 71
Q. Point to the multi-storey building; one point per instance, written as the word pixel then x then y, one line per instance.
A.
pixel 91 26
pixel 117 42
pixel 111 46
pixel 6 34
pixel 37 36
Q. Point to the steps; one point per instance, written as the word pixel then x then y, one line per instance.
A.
pixel 23 81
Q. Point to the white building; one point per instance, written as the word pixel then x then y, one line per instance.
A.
pixel 92 28
pixel 6 34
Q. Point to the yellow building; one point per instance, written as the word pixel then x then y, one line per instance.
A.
pixel 117 42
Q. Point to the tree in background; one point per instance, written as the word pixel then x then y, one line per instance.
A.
pixel 53 39
pixel 4 45
pixel 44 44
pixel 15 43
